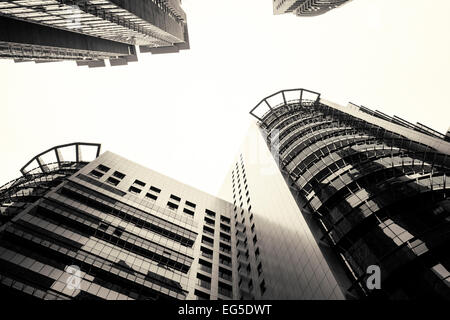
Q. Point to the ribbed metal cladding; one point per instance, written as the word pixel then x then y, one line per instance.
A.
pixel 379 198
pixel 18 194
pixel 317 7
pixel 39 177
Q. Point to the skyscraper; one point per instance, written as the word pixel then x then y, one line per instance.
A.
pixel 83 225
pixel 90 32
pixel 322 202
pixel 306 8
pixel 372 189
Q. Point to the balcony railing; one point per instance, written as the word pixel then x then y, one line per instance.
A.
pixel 225 292
pixel 205 268
pixel 204 284
pixel 207 255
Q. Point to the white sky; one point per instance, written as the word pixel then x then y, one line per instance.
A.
pixel 186 114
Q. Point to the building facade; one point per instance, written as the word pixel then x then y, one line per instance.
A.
pixel 104 227
pixel 90 32
pixel 128 233
pixel 306 8
pixel 277 242
pixel 318 196
pixel 372 189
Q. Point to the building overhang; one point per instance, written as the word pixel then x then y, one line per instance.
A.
pixel 62 154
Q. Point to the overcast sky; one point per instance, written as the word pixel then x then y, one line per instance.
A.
pixel 186 114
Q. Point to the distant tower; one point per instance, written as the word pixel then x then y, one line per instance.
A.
pixel 373 190
pixel 306 7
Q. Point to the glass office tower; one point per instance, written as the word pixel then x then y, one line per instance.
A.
pixel 89 31
pixel 276 245
pixel 373 190
pixel 83 225
pixel 305 8
pixel 128 232
pixel 317 195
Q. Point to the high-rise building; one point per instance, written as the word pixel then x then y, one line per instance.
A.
pixel 366 191
pixel 89 31
pixel 83 225
pixel 322 202
pixel 306 8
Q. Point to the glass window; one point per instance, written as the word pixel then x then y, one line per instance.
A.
pixel 210 213
pixel 208 230
pixel 151 196
pixel 103 168
pixel 190 204
pixel 96 173
pixel 205 266
pixel 155 189
pixel 201 295
pixel 225 274
pixel 172 206
pixel 205 252
pixel 113 181
pixel 189 212
pixel 139 183
pixel 118 174
pixel 134 190
pixel 203 281
pixel 225 289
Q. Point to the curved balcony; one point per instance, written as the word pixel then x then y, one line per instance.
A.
pixel 43 172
